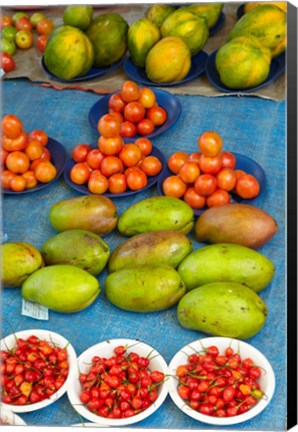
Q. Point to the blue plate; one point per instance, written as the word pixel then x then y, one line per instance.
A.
pixel 218 25
pixel 166 100
pixel 84 190
pixel 240 11
pixel 58 158
pixel 136 73
pixel 277 67
pixel 242 163
pixel 93 72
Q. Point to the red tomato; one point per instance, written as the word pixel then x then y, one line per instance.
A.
pixel 6 176
pixel 147 97
pixel 128 129
pixel 129 91
pixel 110 146
pixel 17 162
pixel 173 186
pixel 228 160
pixel 44 26
pixel 30 178
pixel 94 159
pixel 34 150
pixel 117 183
pixel 157 114
pixel 205 184
pixel 116 103
pixel 247 186
pixel 42 42
pixel 210 143
pixel 145 127
pixel 5 21
pixel 80 152
pixel 40 135
pixel 151 165
pixel 194 157
pixel 130 155
pixel 24 24
pixel 111 165
pixel 79 173
pixel 218 198
pixel 14 144
pixel 17 183
pixel 46 154
pixel 97 183
pixel 7 61
pixel 136 179
pixel 3 155
pixel 193 199
pixel 189 172
pixel 176 160
pixel 226 179
pixel 210 165
pixel 117 114
pixel 145 145
pixel 109 126
pixel 134 112
pixel 45 172
pixel 239 173
pixel 11 126
pixel 34 164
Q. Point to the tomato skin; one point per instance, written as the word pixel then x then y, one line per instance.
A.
pixel 151 165
pixel 109 126
pixel 110 146
pixel 147 97
pixel 30 178
pixel 45 172
pixel 210 143
pixel 80 152
pixel 173 186
pixel 117 114
pixel 228 160
pixel 145 145
pixel 17 162
pixel 193 199
pixel 97 183
pixel 7 61
pixel 42 42
pixel 39 135
pixel 145 127
pixel 11 126
pixel 111 165
pixel 176 161
pixel 17 183
pixel 117 183
pixel 128 129
pixel 116 103
pixel 226 179
pixel 210 165
pixel 79 173
pixel 130 155
pixel 129 91
pixel 189 172
pixel 136 179
pixel 94 159
pixel 6 177
pixel 34 150
pixel 194 157
pixel 157 114
pixel 247 186
pixel 134 112
pixel 205 184
pixel 218 198
pixel 15 144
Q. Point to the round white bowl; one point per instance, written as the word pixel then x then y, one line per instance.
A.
pixel 10 418
pixel 267 379
pixel 10 341
pixel 105 349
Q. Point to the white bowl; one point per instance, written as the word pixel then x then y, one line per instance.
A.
pixel 105 349
pixel 10 341
pixel 267 379
pixel 10 418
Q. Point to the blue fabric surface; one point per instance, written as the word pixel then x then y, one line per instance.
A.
pixel 251 126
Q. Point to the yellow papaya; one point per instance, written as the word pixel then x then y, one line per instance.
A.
pixel 250 6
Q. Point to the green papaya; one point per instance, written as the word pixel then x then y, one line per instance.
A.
pixel 142 35
pixel 144 288
pixel 80 248
pixel 157 13
pixel 209 11
pixel 226 262
pixel 223 309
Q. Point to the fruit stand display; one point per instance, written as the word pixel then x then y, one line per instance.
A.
pixel 143 241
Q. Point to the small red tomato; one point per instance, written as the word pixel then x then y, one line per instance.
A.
pixel 193 199
pixel 228 160
pixel 44 26
pixel 23 24
pixel 210 165
pixel 210 143
pixel 80 152
pixel 128 129
pixel 247 186
pixel 7 61
pixel 42 42
pixel 134 112
pixel 109 126
pixel 145 127
pixel 226 179
pixel 116 103
pixel 130 91
pixel 218 198
pixel 157 114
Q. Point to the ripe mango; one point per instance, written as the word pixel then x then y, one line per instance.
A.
pixel 62 288
pixel 223 309
pixel 162 247
pixel 93 213
pixel 226 262
pixel 19 260
pixel 144 288
pixel 155 214
pixel 80 248
pixel 243 224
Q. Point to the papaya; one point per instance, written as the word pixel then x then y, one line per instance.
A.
pixel 93 213
pixel 226 262
pixel 78 16
pixel 144 288
pixel 243 62
pixel 19 260
pixel 243 224
pixel 249 6
pixel 268 23
pixel 108 35
pixel 225 309
pixel 80 248
pixel 69 53
pixel 155 214
pixel 191 28
pixel 142 35
pixel 162 247
pixel 157 13
pixel 209 11
pixel 169 60
pixel 62 288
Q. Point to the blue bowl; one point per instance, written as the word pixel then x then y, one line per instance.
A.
pixel 84 189
pixel 242 163
pixel 136 73
pixel 92 74
pixel 166 100
pixel 58 158
pixel 240 11
pixel 218 25
pixel 277 67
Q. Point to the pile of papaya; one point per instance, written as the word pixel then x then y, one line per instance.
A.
pixel 256 39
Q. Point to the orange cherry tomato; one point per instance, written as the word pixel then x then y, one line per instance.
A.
pixel 111 165
pixel 6 177
pixel 176 160
pixel 3 155
pixel 228 160
pixel 145 127
pixel 80 152
pixel 226 179
pixel 130 91
pixel 189 172
pixel 130 155
pixel 17 162
pixel 157 114
pixel 11 126
pixel 210 143
pixel 194 157
pixel 136 179
pixel 45 26
pixel 205 184
pixel 30 178
pixel 15 144
pixel 116 103
pixel 145 145
pixel 247 186
pixel 94 158
pixel 218 198
pixel 128 129
pixel 193 199
pixel 79 173
pixel 109 126
pixel 34 150
pixel 39 135
pixel 110 146
pixel 210 165
pixel 97 183
pixel 147 97
pixel 134 112
pixel 116 114
pixel 173 186
pixel 17 183
pixel 117 183
pixel 45 171
pixel 151 165
pixel 46 154
pixel 239 173
pixel 34 164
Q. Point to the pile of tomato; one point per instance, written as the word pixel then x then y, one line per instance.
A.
pixel 219 385
pixel 120 386
pixel 32 371
pixel 25 159
pixel 208 177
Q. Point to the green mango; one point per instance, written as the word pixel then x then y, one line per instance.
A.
pixel 19 260
pixel 80 248
pixel 226 262
pixel 144 288
pixel 162 247
pixel 62 288
pixel 155 214
pixel 93 213
pixel 223 309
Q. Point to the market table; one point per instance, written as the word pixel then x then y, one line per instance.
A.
pixel 249 125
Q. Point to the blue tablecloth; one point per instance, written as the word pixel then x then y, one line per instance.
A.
pixel 250 126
